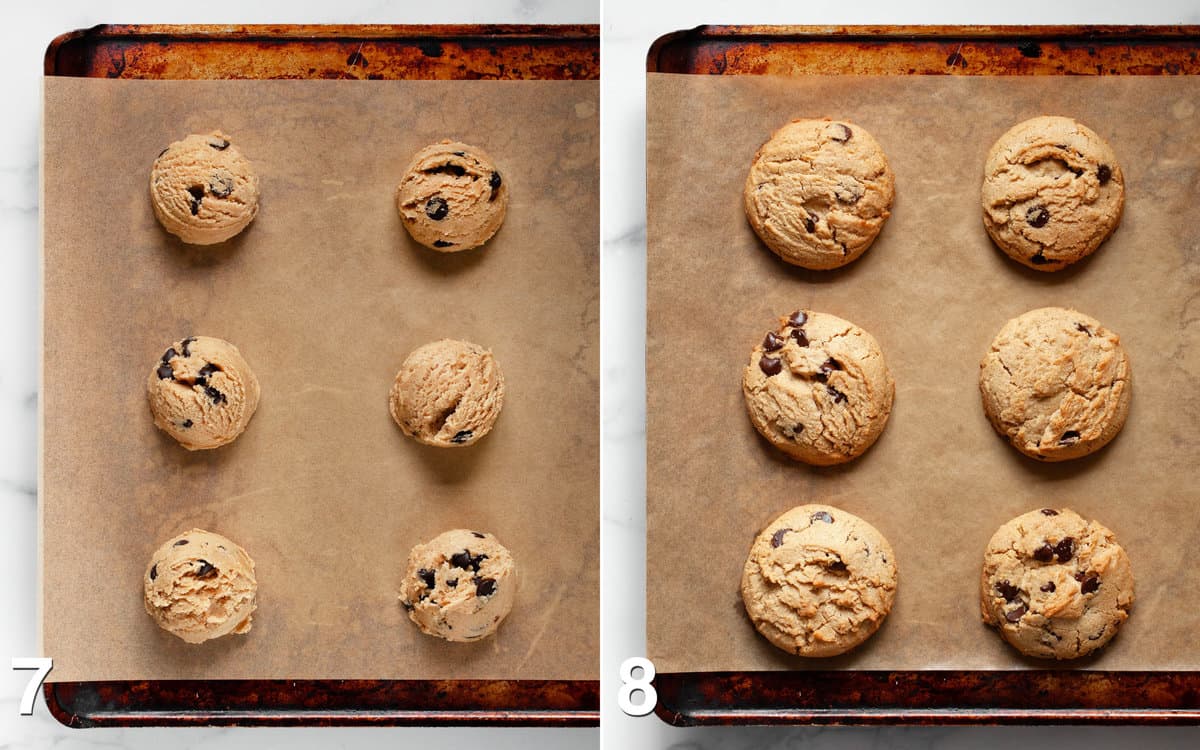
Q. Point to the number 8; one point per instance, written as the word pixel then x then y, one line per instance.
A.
pixel 631 684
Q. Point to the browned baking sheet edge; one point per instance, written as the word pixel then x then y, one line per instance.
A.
pixel 475 52
pixel 928 697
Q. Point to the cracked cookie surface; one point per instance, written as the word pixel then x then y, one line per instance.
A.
pixel 452 197
pixel 460 585
pixel 1055 585
pixel 1052 192
pixel 819 581
pixel 200 585
pixel 203 189
pixel 819 192
pixel 448 393
pixel 202 392
pixel 1056 383
pixel 818 388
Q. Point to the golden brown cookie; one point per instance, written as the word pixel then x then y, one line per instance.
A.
pixel 199 586
pixel 1052 192
pixel 819 581
pixel 203 190
pixel 448 393
pixel 819 192
pixel 1056 383
pixel 1054 585
pixel 202 392
pixel 452 197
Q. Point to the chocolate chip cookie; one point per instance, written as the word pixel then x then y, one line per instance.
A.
pixel 1056 383
pixel 819 581
pixel 819 192
pixel 452 197
pixel 203 189
pixel 202 392
pixel 818 388
pixel 1054 585
pixel 1052 192
pixel 448 393
pixel 199 586
pixel 460 585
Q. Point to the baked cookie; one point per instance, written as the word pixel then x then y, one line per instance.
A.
pixel 819 581
pixel 203 190
pixel 1056 383
pixel 1054 585
pixel 452 197
pixel 460 585
pixel 819 192
pixel 818 388
pixel 199 586
pixel 448 393
pixel 202 393
pixel 1052 192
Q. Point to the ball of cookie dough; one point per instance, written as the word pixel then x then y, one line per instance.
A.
pixel 1056 383
pixel 460 585
pixel 448 393
pixel 818 581
pixel 452 197
pixel 1054 585
pixel 819 192
pixel 1052 192
pixel 203 190
pixel 202 393
pixel 200 586
pixel 817 387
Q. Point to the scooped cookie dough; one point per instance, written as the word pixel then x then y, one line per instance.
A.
pixel 202 393
pixel 819 192
pixel 818 388
pixel 200 586
pixel 203 190
pixel 452 197
pixel 460 585
pixel 448 393
pixel 819 581
pixel 1056 383
pixel 1052 192
pixel 1054 585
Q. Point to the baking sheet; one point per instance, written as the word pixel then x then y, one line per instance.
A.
pixel 934 291
pixel 325 295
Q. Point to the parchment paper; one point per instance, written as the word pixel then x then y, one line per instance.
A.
pixel 325 295
pixel 934 291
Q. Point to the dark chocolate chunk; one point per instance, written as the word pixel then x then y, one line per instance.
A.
pixel 809 224
pixel 484 586
pixel 153 571
pixel 1049 512
pixel 1065 549
pixel 208 369
pixel 180 543
pixel 1045 553
pixel 777 537
pixel 219 144
pixel 216 396
pixel 1048 586
pixel 220 185
pixel 436 208
pixel 442 243
pixel 843 135
pixel 164 372
pixel 186 423
pixel 185 344
pixel 837 566
pixel 207 570
pixel 494 183
pixel 1007 590
pixel 460 153
pixel 169 354
pixel 481 536
pixel 452 583
pixel 200 380
pixel 838 396
pixel 461 560
pixel 197 193
pixel 1104 173
pixel 1083 329
pixel 822 516
pixel 1088 584
pixel 1037 216
pixel 1070 437
pixel 772 342
pixel 770 365
pixel 1039 259
pixel 800 337
pixel 428 577
pixel 462 436
pixel 477 561
pixel 797 319
pixel 452 169
pixel 827 367
pixel 1015 615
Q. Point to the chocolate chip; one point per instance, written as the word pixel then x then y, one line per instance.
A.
pixel 477 561
pixel 494 184
pixel 1049 512
pixel 1045 553
pixel 809 224
pixel 186 424
pixel 451 169
pixel 1015 615
pixel 164 372
pixel 1048 586
pixel 428 577
pixel 797 319
pixel 180 543
pixel 481 536
pixel 442 243
pixel 837 566
pixel 460 153
pixel 169 354
pixel 461 436
pixel 843 135
pixel 219 144
pixel 822 516
pixel 465 561
pixel 1007 590
pixel 197 193
pixel 185 344
pixel 838 396
pixel 437 208
pixel 1037 216
pixel 153 571
pixel 208 369
pixel 452 583
pixel 827 367
pixel 207 570
pixel 1089 584
pixel 1065 549
pixel 200 380
pixel 1039 259
pixel 216 396
pixel 770 365
pixel 1070 437
pixel 777 537
pixel 772 342
pixel 484 586
pixel 220 186
pixel 1104 173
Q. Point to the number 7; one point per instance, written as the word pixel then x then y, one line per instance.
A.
pixel 43 667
